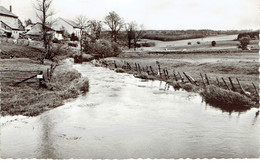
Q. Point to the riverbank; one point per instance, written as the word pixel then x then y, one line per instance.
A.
pixel 29 98
pixel 241 66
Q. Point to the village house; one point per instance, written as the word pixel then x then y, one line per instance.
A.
pixel 35 31
pixel 8 23
pixel 62 25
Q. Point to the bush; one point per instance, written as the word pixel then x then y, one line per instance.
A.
pixel 73 37
pixel 213 43
pixel 244 41
pixel 146 44
pixel 225 99
pixel 198 42
pixel 189 43
pixel 101 48
pixel 83 85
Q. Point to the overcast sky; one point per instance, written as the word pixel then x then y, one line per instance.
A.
pixel 156 14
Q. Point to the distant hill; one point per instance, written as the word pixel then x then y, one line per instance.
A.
pixel 172 35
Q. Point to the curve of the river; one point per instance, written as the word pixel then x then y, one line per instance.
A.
pixel 125 117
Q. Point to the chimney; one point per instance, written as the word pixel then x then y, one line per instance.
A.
pixel 10 8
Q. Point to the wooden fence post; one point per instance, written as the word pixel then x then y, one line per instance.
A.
pixel 164 73
pixel 48 73
pixel 187 77
pixel 136 68
pixel 207 79
pixel 255 88
pixel 152 70
pixel 182 79
pixel 167 73
pixel 218 82
pixel 176 79
pixel 147 70
pixel 115 64
pixel 159 68
pixel 202 80
pixel 242 89
pixel 232 85
pixel 139 68
pixel 225 83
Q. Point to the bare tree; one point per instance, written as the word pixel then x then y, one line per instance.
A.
pixel 95 27
pixel 82 22
pixel 28 22
pixel 134 33
pixel 44 13
pixel 115 23
pixel 138 34
pixel 130 28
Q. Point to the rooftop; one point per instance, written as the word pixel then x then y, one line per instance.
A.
pixel 6 12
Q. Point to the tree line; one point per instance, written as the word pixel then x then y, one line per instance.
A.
pixel 90 30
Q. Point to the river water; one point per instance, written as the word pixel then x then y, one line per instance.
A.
pixel 125 117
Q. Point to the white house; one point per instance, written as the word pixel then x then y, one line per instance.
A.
pixel 69 26
pixel 9 23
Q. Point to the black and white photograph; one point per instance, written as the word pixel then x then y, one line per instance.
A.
pixel 129 79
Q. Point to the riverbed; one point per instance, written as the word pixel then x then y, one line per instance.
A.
pixel 124 117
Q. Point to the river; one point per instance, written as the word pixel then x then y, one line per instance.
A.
pixel 125 117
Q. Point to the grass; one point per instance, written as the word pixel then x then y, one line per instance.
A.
pixel 27 98
pixel 31 101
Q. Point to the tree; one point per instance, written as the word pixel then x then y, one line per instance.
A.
pixel 82 22
pixel 130 27
pixel 44 13
pixel 115 23
pixel 134 33
pixel 28 22
pixel 244 41
pixel 95 29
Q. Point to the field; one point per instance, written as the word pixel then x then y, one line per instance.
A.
pixel 223 42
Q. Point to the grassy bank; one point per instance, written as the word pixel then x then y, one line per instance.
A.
pixel 31 100
pixel 243 66
pixel 28 98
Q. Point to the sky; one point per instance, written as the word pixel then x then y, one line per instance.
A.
pixel 155 14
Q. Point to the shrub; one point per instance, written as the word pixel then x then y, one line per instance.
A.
pixel 244 41
pixel 83 85
pixel 213 43
pixel 145 44
pixel 101 48
pixel 189 43
pixel 225 99
pixel 198 42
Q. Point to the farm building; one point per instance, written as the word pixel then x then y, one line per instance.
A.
pixel 8 23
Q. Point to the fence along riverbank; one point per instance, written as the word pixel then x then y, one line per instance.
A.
pixel 182 79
